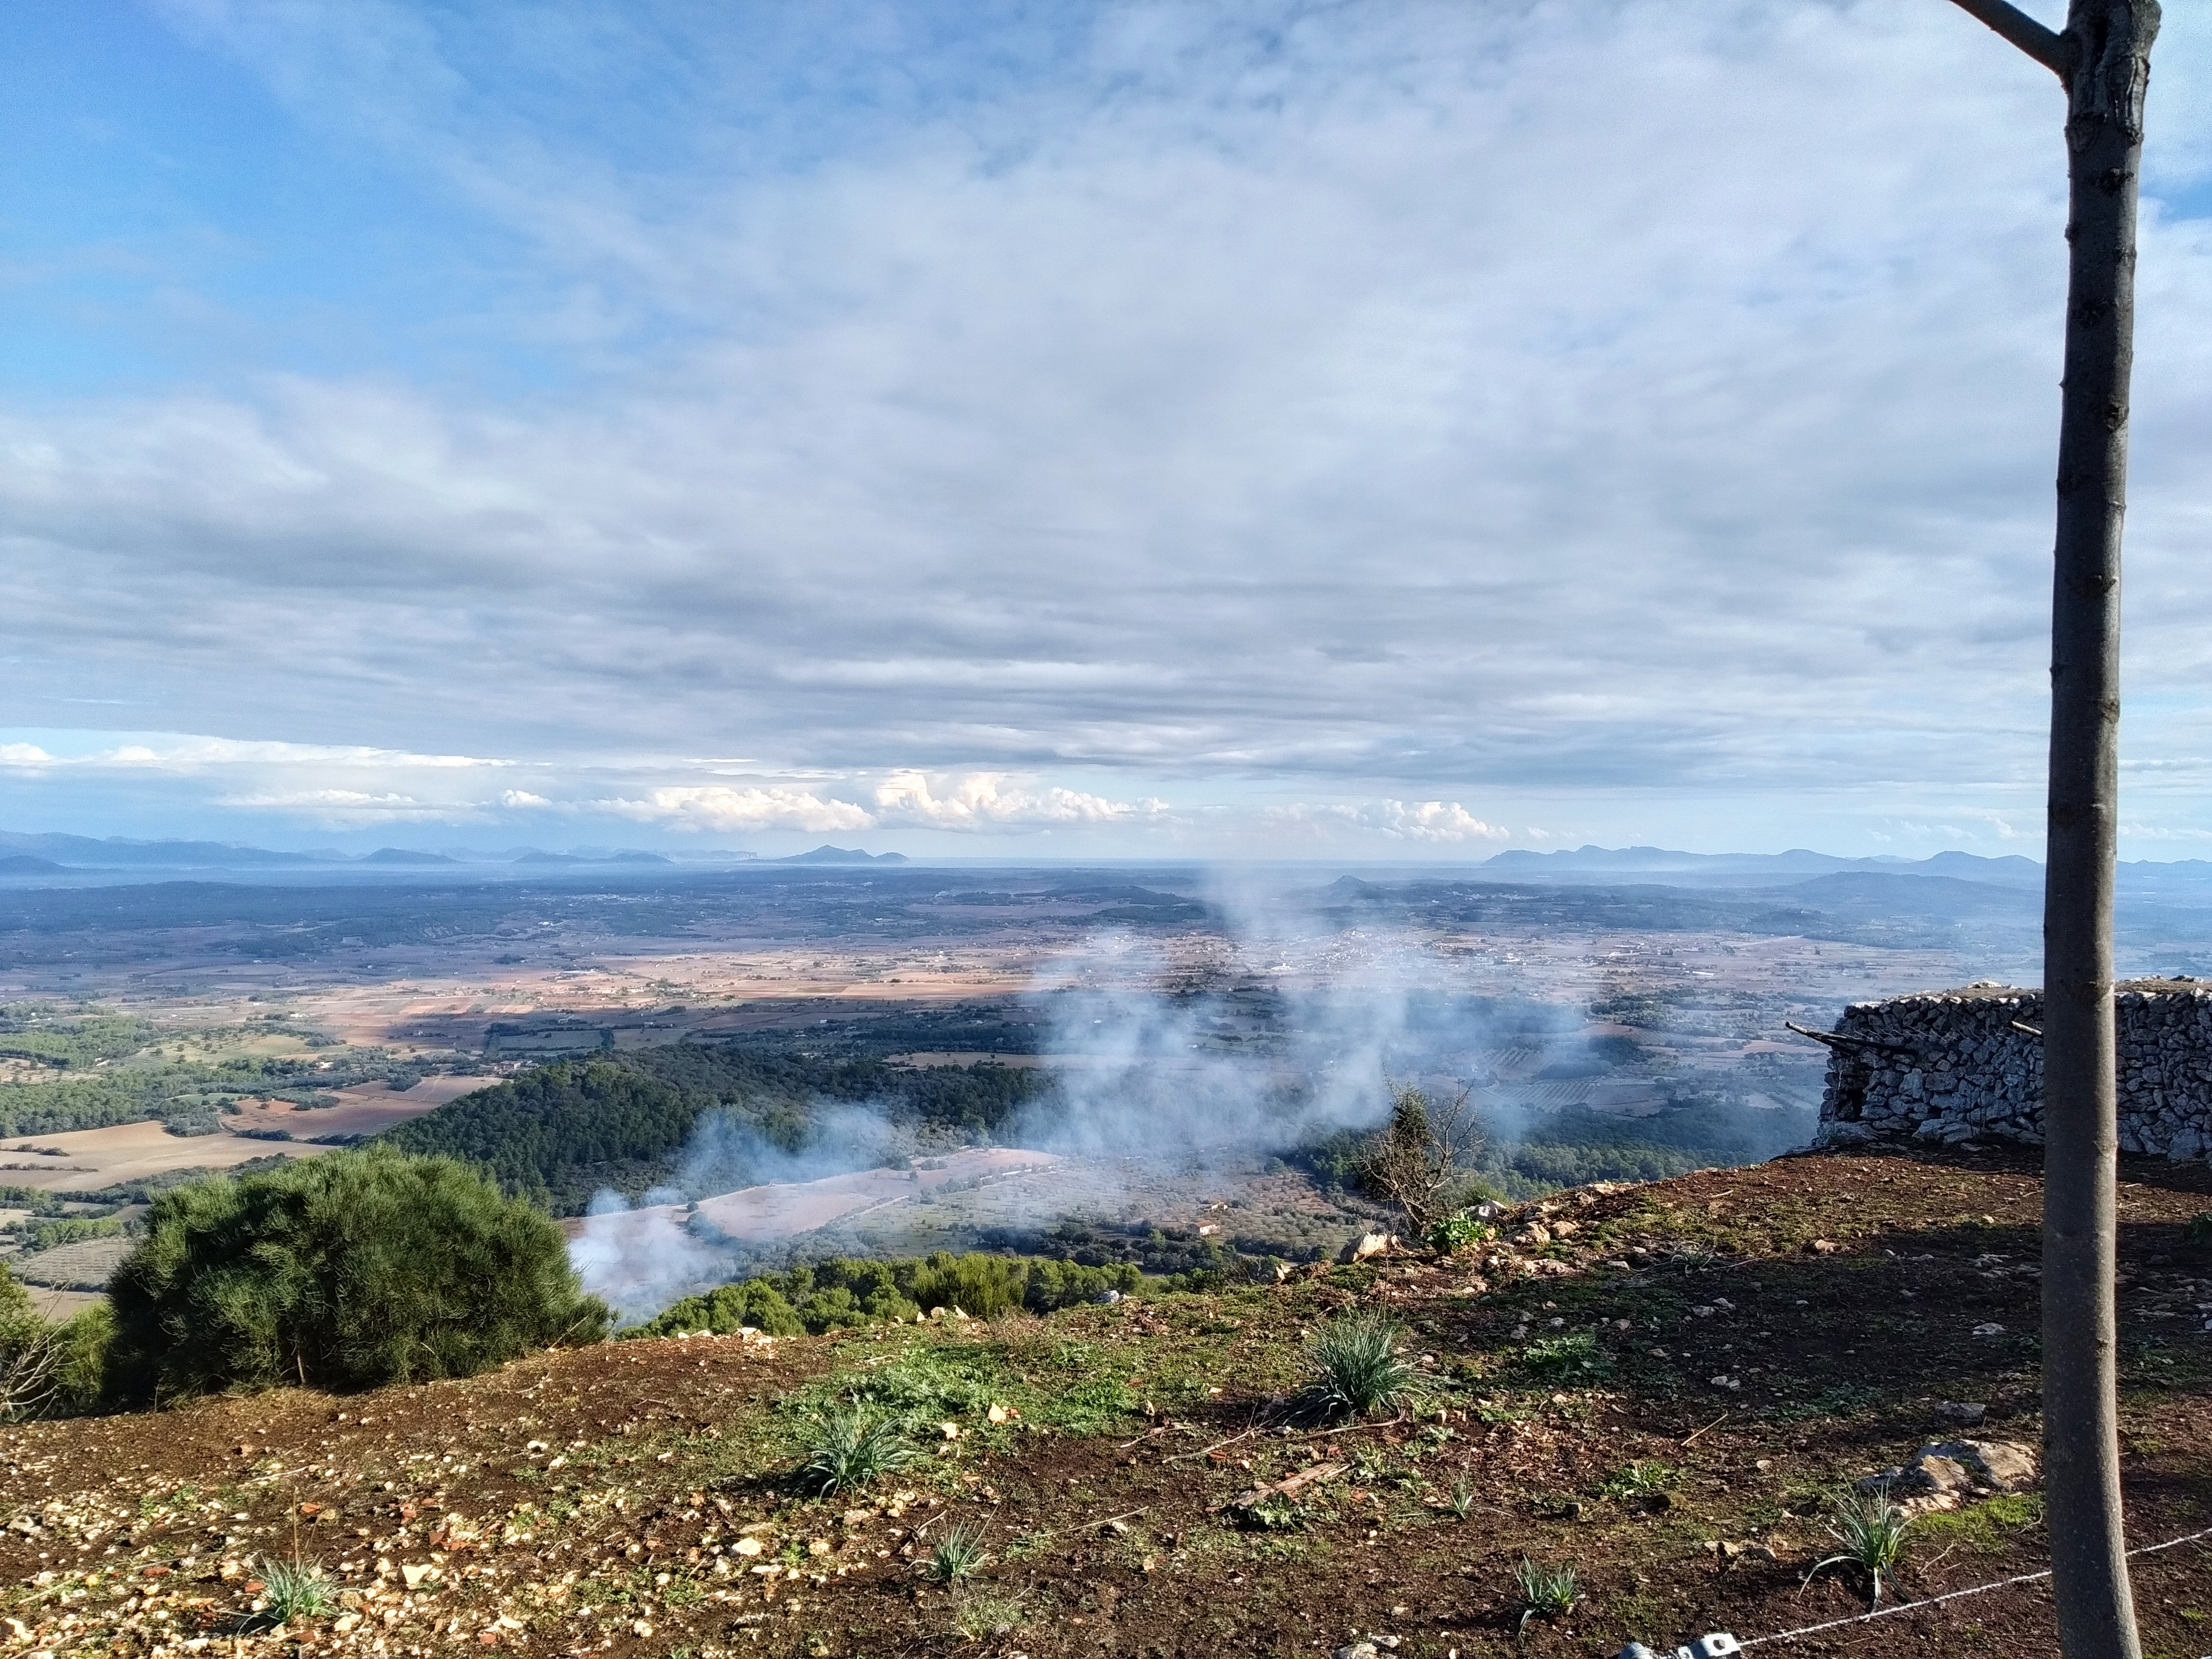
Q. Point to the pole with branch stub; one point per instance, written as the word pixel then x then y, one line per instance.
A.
pixel 2102 57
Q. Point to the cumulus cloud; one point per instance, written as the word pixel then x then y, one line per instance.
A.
pixel 1434 821
pixel 727 809
pixel 986 801
pixel 1631 398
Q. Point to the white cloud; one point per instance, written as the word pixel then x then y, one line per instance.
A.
pixel 521 800
pixel 1428 822
pixel 983 801
pixel 1534 400
pixel 725 809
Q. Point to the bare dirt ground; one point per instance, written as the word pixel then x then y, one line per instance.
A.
pixel 759 1215
pixel 1663 1398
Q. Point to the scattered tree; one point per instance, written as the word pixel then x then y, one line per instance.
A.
pixel 1418 1160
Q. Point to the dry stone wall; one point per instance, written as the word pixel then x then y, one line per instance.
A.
pixel 1967 1065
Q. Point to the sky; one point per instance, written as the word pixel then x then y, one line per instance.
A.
pixel 1076 429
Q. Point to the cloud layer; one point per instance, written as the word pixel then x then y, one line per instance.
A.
pixel 1411 422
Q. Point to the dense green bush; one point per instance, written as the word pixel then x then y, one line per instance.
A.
pixel 352 1270
pixel 842 1292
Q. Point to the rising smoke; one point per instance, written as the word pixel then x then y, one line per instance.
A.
pixel 1198 1049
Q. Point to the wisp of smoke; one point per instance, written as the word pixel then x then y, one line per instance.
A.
pixel 640 1258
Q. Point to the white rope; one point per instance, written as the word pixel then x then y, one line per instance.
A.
pixel 1952 1596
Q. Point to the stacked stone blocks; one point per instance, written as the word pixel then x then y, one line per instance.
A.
pixel 1956 1066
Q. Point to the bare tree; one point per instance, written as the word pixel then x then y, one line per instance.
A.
pixel 1418 1159
pixel 2103 58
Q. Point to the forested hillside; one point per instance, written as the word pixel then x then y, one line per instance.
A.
pixel 560 1132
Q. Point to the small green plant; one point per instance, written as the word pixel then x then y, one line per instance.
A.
pixel 1640 1480
pixel 1575 1358
pixel 297 1589
pixel 1354 1369
pixel 957 1555
pixel 1544 1592
pixel 1460 1230
pixel 2198 1229
pixel 979 1616
pixel 1871 1530
pixel 1460 1499
pixel 1277 1513
pixel 853 1449
pixel 1371 1463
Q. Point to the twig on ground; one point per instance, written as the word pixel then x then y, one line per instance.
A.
pixel 1714 1424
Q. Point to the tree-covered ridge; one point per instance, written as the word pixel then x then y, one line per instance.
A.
pixel 560 1132
pixel 843 1293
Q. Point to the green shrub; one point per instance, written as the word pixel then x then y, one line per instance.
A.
pixel 843 1292
pixel 1458 1230
pixel 352 1270
pixel 297 1589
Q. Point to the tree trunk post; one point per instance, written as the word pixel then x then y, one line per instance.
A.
pixel 2109 74
pixel 2103 56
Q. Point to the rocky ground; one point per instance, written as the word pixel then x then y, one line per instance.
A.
pixel 1662 1388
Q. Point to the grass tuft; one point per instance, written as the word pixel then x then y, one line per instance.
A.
pixel 297 1589
pixel 1354 1368
pixel 957 1555
pixel 1871 1530
pixel 1544 1592
pixel 853 1449
pixel 1460 1499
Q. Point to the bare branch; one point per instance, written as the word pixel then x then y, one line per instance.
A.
pixel 2047 46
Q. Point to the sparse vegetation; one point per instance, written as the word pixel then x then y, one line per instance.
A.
pixel 1640 1481
pixel 1354 1369
pixel 1574 1357
pixel 617 1463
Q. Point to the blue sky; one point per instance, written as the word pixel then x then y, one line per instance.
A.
pixel 1076 429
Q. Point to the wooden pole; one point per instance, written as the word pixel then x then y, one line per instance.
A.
pixel 2103 56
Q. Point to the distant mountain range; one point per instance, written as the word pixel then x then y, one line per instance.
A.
pixel 827 854
pixel 29 854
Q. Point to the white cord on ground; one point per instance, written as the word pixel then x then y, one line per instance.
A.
pixel 1952 1596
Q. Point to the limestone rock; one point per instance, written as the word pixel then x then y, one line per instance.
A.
pixel 1367 1244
